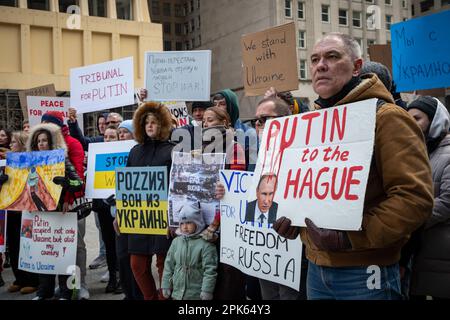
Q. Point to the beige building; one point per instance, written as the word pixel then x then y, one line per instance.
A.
pixel 42 42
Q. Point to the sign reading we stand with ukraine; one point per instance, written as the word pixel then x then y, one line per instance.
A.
pixel 103 159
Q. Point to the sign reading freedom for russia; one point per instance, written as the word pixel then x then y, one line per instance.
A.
pixel 420 52
pixel 178 75
pixel 102 86
pixel 254 248
pixel 141 200
pixel 321 161
pixel 103 159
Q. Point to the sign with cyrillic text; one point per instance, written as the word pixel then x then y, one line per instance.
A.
pixel 420 52
pixel 102 86
pixel 317 164
pixel 141 200
pixel 253 247
pixel 178 75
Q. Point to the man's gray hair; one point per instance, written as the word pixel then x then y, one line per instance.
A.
pixel 117 115
pixel 281 108
pixel 353 47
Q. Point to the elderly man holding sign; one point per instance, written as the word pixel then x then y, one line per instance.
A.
pixel 364 264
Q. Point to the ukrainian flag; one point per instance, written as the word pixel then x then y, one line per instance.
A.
pixel 105 174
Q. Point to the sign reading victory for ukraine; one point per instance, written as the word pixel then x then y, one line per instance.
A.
pixel 103 159
pixel 420 52
pixel 102 86
pixel 318 164
pixel 30 183
pixel 141 200
pixel 253 247
pixel 48 242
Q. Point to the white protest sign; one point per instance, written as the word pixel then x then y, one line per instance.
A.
pixel 179 110
pixel 103 159
pixel 178 75
pixel 253 247
pixel 48 242
pixel 321 161
pixel 102 86
pixel 38 106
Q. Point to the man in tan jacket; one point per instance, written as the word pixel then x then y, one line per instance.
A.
pixel 399 198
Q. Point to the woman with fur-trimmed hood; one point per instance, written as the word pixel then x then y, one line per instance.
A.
pixel 152 123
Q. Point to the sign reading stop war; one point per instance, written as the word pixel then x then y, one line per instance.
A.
pixel 254 248
pixel 38 106
pixel 270 60
pixel 321 161
pixel 141 200
pixel 102 86
pixel 420 52
pixel 178 75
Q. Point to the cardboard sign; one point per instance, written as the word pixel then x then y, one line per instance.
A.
pixel 47 91
pixel 420 50
pixel 103 159
pixel 179 110
pixel 141 200
pixel 317 164
pixel 102 86
pixel 38 106
pixel 193 178
pixel 3 222
pixel 270 60
pixel 30 183
pixel 253 247
pixel 48 242
pixel 178 75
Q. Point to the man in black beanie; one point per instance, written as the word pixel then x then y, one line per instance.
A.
pixel 198 109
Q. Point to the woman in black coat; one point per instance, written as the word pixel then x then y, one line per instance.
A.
pixel 152 124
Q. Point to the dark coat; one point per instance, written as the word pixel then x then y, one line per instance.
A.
pixel 250 212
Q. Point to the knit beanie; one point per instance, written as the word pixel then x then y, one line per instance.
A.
pixel 426 104
pixel 202 104
pixel 127 124
pixel 380 70
pixel 190 212
pixel 55 117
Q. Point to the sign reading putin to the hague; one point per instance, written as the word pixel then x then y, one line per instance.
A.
pixel 270 60
pixel 102 86
pixel 317 164
pixel 103 159
pixel 250 246
pixel 141 200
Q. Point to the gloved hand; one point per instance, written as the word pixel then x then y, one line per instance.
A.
pixel 206 295
pixel 62 181
pixel 111 200
pixel 3 179
pixel 166 292
pixel 326 239
pixel 283 227
pixel 209 234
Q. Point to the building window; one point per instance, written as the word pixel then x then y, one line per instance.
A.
pixel 301 10
pixel 325 13
pixel 388 2
pixel 124 9
pixel 413 10
pixel 198 4
pixel 192 25
pixel 9 3
pixel 186 28
pixel 167 27
pixel 187 45
pixel 388 22
pixel 192 6
pixel 405 4
pixel 39 5
pixel 360 43
pixel 370 42
pixel 301 39
pixel 357 19
pixel 302 70
pixel 287 8
pixel 178 46
pixel 445 2
pixel 193 43
pixel 198 23
pixel 97 8
pixel 167 46
pixel 64 5
pixel 199 40
pixel 178 10
pixel 178 29
pixel 369 1
pixel 186 8
pixel 167 9
pixel 426 5
pixel 343 17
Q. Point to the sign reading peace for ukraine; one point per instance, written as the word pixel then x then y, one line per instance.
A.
pixel 420 52
pixel 103 159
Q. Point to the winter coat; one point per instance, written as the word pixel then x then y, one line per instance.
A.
pixel 150 153
pixel 76 133
pixel 399 194
pixel 190 268
pixel 431 265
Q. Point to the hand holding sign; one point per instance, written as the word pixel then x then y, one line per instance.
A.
pixel 72 114
pixel 326 239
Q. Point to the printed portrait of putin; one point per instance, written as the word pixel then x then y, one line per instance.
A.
pixel 263 209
